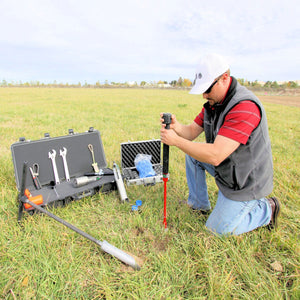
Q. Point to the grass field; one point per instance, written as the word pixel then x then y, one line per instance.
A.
pixel 44 260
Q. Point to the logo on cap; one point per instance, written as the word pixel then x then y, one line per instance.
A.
pixel 198 76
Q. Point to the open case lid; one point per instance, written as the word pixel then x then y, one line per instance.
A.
pixel 79 157
pixel 130 150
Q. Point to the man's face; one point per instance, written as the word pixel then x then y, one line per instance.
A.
pixel 215 93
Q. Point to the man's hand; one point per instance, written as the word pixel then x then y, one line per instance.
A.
pixel 182 136
pixel 189 132
pixel 168 136
pixel 173 121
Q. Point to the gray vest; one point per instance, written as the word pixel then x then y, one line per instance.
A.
pixel 247 174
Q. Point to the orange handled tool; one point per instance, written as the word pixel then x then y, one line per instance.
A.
pixel 38 200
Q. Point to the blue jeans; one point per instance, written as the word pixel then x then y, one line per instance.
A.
pixel 228 216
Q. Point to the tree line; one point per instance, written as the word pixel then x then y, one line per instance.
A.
pixel 179 83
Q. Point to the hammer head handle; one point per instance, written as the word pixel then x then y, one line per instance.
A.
pixel 167 119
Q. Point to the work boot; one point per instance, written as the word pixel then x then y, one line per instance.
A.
pixel 275 206
pixel 199 211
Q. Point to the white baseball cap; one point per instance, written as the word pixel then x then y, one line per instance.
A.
pixel 209 68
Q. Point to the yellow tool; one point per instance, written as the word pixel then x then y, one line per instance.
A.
pixel 94 164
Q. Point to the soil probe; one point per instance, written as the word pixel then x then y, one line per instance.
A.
pixel 167 120
pixel 104 245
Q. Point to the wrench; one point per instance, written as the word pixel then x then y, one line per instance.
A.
pixel 63 154
pixel 52 156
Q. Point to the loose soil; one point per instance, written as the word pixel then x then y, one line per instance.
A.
pixel 284 100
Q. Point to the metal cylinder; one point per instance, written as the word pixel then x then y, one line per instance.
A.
pixel 80 181
pixel 119 254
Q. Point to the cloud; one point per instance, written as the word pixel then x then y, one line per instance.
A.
pixel 74 41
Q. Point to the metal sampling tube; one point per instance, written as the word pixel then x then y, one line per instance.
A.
pixel 120 183
pixel 105 246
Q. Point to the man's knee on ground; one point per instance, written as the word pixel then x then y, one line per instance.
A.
pixel 218 227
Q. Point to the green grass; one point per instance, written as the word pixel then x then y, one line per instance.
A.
pixel 44 260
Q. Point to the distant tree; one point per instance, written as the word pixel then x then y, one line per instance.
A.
pixel 284 85
pixel 186 83
pixel 173 82
pixel 292 84
pixel 143 83
pixel 268 84
pixel 241 81
pixel 255 83
pixel 179 81
pixel 274 85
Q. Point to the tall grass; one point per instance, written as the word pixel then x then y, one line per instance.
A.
pixel 41 259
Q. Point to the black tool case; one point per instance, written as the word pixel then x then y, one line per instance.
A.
pixel 130 150
pixel 79 160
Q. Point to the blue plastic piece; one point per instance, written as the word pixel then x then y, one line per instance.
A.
pixel 134 207
pixel 138 202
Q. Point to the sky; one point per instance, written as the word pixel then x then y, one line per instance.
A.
pixel 71 41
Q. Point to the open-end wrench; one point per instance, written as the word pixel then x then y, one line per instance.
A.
pixel 52 156
pixel 63 154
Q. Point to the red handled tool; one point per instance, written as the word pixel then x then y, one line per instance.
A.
pixel 34 170
pixel 167 120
